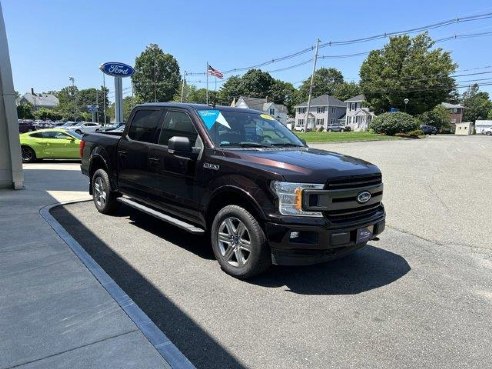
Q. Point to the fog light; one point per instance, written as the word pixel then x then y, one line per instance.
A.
pixel 294 235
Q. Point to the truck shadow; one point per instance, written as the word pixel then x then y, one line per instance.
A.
pixel 366 269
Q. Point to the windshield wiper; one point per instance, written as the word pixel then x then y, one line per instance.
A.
pixel 243 144
pixel 286 144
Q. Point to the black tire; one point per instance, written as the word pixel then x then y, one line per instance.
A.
pixel 240 246
pixel 78 131
pixel 103 196
pixel 28 155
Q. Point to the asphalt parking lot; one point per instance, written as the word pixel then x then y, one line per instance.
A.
pixel 420 297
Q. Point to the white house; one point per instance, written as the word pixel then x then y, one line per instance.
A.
pixel 480 125
pixel 357 117
pixel 38 100
pixel 324 110
pixel 278 111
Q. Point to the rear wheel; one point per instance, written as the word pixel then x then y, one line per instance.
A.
pixel 28 154
pixel 104 198
pixel 239 243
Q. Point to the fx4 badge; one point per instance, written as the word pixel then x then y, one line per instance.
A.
pixel 211 166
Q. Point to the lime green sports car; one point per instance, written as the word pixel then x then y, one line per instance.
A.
pixel 49 144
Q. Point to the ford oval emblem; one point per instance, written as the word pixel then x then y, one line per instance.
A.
pixel 116 69
pixel 363 197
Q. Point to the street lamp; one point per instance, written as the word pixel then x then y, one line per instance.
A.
pixel 406 102
pixel 71 79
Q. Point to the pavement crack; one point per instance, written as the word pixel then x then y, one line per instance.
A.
pixel 72 349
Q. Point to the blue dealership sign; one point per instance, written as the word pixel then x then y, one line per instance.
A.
pixel 117 69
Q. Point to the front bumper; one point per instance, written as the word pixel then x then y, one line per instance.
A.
pixel 296 244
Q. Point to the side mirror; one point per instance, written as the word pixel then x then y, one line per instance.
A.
pixel 179 145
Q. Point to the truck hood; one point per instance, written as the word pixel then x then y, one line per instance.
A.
pixel 303 165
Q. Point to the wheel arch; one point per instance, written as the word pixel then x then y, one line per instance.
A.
pixel 231 195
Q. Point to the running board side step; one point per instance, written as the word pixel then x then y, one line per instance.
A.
pixel 157 214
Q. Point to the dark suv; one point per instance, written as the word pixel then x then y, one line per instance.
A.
pixel 428 129
pixel 240 177
pixel 26 126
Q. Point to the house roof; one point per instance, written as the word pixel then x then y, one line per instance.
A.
pixel 356 98
pixel 41 100
pixel 364 111
pixel 261 104
pixel 452 106
pixel 324 100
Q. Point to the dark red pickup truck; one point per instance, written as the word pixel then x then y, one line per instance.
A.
pixel 240 177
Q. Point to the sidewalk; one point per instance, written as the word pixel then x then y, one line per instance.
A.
pixel 54 313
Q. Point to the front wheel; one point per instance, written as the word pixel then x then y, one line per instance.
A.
pixel 104 198
pixel 239 243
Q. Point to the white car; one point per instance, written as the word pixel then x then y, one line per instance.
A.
pixel 487 131
pixel 84 127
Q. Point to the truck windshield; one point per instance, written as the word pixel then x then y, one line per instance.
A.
pixel 246 129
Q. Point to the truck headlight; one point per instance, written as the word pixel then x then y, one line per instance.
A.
pixel 290 197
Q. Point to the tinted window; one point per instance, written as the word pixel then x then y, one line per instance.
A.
pixel 144 125
pixel 37 135
pixel 55 134
pixel 177 123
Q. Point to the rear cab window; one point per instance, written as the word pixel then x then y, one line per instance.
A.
pixel 144 124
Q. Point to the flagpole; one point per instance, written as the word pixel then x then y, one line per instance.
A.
pixel 207 82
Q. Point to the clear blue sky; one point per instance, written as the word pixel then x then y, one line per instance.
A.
pixel 51 40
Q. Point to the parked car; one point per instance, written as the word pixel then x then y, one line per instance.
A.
pixel 112 127
pixel 242 177
pixel 26 125
pixel 52 143
pixel 487 131
pixel 428 129
pixel 334 128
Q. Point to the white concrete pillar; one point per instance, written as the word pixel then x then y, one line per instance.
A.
pixel 11 175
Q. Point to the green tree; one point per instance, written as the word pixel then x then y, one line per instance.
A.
pixel 67 98
pixel 407 68
pixel 93 96
pixel 477 104
pixel 156 76
pixel 230 90
pixel 438 117
pixel 345 90
pixel 283 93
pixel 24 111
pixel 256 83
pixel 325 82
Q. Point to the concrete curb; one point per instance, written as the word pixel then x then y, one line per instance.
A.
pixel 156 337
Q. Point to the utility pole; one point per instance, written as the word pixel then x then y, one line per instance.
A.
pixel 183 85
pixel 104 99
pixel 311 85
pixel 206 72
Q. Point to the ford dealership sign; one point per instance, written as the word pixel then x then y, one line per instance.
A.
pixel 116 69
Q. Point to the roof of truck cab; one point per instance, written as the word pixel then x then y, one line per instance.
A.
pixel 199 107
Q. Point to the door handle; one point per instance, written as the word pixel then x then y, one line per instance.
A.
pixel 122 152
pixel 154 159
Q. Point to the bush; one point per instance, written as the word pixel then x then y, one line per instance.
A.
pixel 393 123
pixel 347 129
pixel 320 129
pixel 412 134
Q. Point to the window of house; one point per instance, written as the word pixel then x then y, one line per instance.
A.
pixel 144 125
pixel 320 121
pixel 300 122
pixel 302 110
pixel 272 111
pixel 320 109
pixel 177 123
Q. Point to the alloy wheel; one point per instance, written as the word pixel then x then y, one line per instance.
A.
pixel 100 192
pixel 234 242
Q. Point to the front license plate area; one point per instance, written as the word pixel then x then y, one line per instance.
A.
pixel 364 234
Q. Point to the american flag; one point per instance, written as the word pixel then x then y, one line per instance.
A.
pixel 215 72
